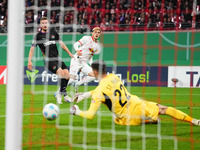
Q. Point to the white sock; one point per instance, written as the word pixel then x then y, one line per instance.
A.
pixel 70 81
pixel 81 75
pixel 86 79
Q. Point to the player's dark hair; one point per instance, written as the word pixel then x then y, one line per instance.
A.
pixel 99 65
pixel 43 18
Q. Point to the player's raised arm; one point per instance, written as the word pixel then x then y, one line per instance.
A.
pixel 77 45
pixel 80 42
pixel 96 101
pixel 64 47
pixel 31 52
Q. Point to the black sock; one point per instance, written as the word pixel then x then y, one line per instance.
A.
pixel 63 86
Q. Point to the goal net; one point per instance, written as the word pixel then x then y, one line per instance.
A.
pixel 157 62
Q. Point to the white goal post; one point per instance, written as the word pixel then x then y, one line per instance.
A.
pixel 15 65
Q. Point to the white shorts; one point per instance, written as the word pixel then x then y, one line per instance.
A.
pixel 76 65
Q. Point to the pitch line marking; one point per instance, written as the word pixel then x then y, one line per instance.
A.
pixel 176 44
pixel 4 43
pixel 166 94
pixel 65 112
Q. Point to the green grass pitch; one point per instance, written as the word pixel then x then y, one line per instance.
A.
pixel 39 133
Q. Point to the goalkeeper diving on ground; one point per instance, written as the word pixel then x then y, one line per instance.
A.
pixel 128 109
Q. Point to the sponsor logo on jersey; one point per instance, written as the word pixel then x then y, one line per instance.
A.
pixel 91 50
pixel 54 67
pixel 49 43
pixel 53 36
pixel 32 75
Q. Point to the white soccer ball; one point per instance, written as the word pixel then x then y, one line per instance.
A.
pixel 51 111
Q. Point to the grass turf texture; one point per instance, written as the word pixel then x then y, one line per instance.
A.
pixel 39 133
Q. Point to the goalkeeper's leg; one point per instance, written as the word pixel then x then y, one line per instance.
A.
pixel 177 114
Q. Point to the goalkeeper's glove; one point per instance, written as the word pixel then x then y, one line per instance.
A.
pixel 81 96
pixel 74 110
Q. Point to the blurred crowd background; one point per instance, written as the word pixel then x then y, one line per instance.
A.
pixel 110 15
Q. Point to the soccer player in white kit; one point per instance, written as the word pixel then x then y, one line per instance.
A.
pixel 85 48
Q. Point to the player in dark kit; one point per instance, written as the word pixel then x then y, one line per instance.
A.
pixel 46 39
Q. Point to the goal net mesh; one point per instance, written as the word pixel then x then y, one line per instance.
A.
pixel 142 60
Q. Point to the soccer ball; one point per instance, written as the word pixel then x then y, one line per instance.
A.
pixel 51 111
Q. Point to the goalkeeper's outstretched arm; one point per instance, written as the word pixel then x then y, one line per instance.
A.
pixel 90 113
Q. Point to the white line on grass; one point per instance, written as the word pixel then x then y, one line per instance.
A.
pixel 185 94
pixel 176 44
pixel 65 112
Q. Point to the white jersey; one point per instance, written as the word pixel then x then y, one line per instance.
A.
pixel 88 47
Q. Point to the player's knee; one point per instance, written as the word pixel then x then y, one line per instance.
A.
pixel 60 73
pixel 66 72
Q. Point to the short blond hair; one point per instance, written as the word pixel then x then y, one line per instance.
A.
pixel 96 28
pixel 43 18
